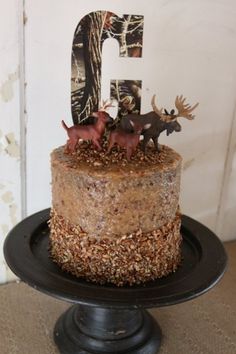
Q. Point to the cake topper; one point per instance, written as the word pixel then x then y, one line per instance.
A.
pixel 159 121
pixel 126 140
pixel 127 133
pixel 93 132
pixel 87 49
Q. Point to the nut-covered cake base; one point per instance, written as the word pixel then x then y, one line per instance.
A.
pixel 126 259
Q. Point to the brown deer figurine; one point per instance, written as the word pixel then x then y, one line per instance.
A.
pixel 93 132
pixel 129 141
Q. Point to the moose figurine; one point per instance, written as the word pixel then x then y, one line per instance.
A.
pixel 93 132
pixel 126 140
pixel 159 121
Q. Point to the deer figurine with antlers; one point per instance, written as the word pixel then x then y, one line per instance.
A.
pixel 93 132
pixel 159 121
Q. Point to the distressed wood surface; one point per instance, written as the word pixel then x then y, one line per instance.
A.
pixel 10 179
pixel 226 221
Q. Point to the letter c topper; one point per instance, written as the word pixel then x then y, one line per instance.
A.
pixel 86 63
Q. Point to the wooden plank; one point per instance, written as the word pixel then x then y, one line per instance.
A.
pixel 10 168
pixel 226 220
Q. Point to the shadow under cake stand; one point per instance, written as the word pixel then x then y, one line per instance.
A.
pixel 106 318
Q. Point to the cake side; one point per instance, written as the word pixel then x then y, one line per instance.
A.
pixel 113 221
pixel 115 199
pixel 131 258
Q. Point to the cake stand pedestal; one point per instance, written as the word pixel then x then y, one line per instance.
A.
pixel 108 319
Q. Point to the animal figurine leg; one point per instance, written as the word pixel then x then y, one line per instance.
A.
pixel 97 144
pixel 67 147
pixel 155 141
pixel 73 144
pixel 146 139
pixel 109 147
pixel 129 153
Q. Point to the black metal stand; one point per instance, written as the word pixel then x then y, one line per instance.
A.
pixel 109 319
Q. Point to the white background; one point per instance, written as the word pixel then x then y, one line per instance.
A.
pixel 189 47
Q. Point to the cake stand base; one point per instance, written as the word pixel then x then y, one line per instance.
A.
pixel 106 318
pixel 91 330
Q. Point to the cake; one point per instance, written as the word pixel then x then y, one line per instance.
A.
pixel 112 220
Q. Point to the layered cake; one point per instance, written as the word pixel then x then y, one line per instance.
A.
pixel 113 220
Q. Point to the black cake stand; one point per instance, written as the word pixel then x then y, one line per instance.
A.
pixel 105 318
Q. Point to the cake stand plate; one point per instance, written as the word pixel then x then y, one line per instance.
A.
pixel 107 318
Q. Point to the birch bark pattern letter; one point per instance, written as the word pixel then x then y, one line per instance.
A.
pixel 91 32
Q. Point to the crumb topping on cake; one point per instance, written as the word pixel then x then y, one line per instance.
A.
pixel 127 259
pixel 100 161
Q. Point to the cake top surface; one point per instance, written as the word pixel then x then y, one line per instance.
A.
pixel 90 160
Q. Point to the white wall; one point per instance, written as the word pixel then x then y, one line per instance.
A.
pixel 189 48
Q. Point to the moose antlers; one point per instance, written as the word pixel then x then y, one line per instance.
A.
pixel 184 110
